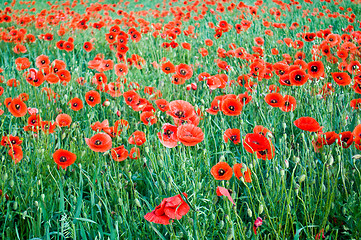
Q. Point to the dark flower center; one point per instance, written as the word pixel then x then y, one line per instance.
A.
pixel 180 114
pixel 167 68
pixel 233 138
pixel 97 142
pixel 281 72
pixel 232 108
pixel 91 98
pixel 221 172
pixel 17 106
pixel 183 72
pixel 62 159
pixel 273 101
pixel 298 77
pixel 168 132
pixel 314 69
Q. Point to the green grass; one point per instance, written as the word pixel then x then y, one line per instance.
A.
pixel 100 198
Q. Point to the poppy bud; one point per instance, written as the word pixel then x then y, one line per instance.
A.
pixel 194 86
pixel 260 209
pixel 15 206
pixel 137 203
pixel 287 164
pixel 118 113
pixel 331 160
pixel 282 172
pixel 249 212
pixel 297 160
pixel 323 188
pixel 146 149
pixel 189 87
pixel 270 182
pixel 221 224
pixel 42 196
pixel 302 178
pixel 106 103
pixel 296 191
pixel 11 183
pixel 5 176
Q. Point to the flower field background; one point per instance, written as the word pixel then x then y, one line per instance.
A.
pixel 180 119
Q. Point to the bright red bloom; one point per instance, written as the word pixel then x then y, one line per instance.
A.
pixel 168 135
pixel 307 124
pixel 64 158
pixel 100 142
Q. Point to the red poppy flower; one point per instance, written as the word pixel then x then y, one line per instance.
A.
pixel 181 110
pixel 16 153
pixel 119 153
pixel 100 142
pixel 232 134
pixel 221 191
pixel 134 153
pixel 307 124
pixel 189 134
pixel 162 105
pixel 274 99
pixel 17 108
pixel 231 106
pixel 121 69
pixel 239 172
pixel 76 104
pixel 7 141
pixel 215 105
pixel 48 127
pixel 184 70
pixel 328 138
pixel 131 97
pixel 222 171
pixel 341 78
pixel 255 142
pixel 148 118
pixel 137 138
pixel 345 139
pixel 170 208
pixel 298 77
pixel 88 46
pixel 290 104
pixel 268 153
pixel 315 69
pixel 92 98
pixel 42 61
pixel 168 135
pixel 64 158
pixel 168 67
pixel 63 120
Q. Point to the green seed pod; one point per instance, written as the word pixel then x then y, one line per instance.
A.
pixel 302 178
pixel 249 212
pixel 42 196
pixel 11 183
pixel 221 224
pixel 260 209
pixel 15 206
pixel 36 203
pixel 137 202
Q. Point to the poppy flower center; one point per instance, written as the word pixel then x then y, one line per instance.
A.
pixel 215 108
pixel 314 69
pixel 129 99
pixel 183 72
pixel 134 36
pixel 180 114
pixel 287 81
pixel 298 77
pixel 221 172
pixel 91 98
pixel 232 108
pixel 17 106
pixel 339 78
pixel 167 68
pixel 282 72
pixel 13 141
pixel 55 69
pixel 33 121
pixel 98 142
pixel 107 65
pixel 62 159
pixel 354 67
pixel 273 101
pixel 43 61
pixel 233 138
pixel 264 152
pixel 161 106
pixel 345 139
pixel 168 132
pixel 75 104
pixel 287 104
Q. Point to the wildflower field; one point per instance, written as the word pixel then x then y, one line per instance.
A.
pixel 195 119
